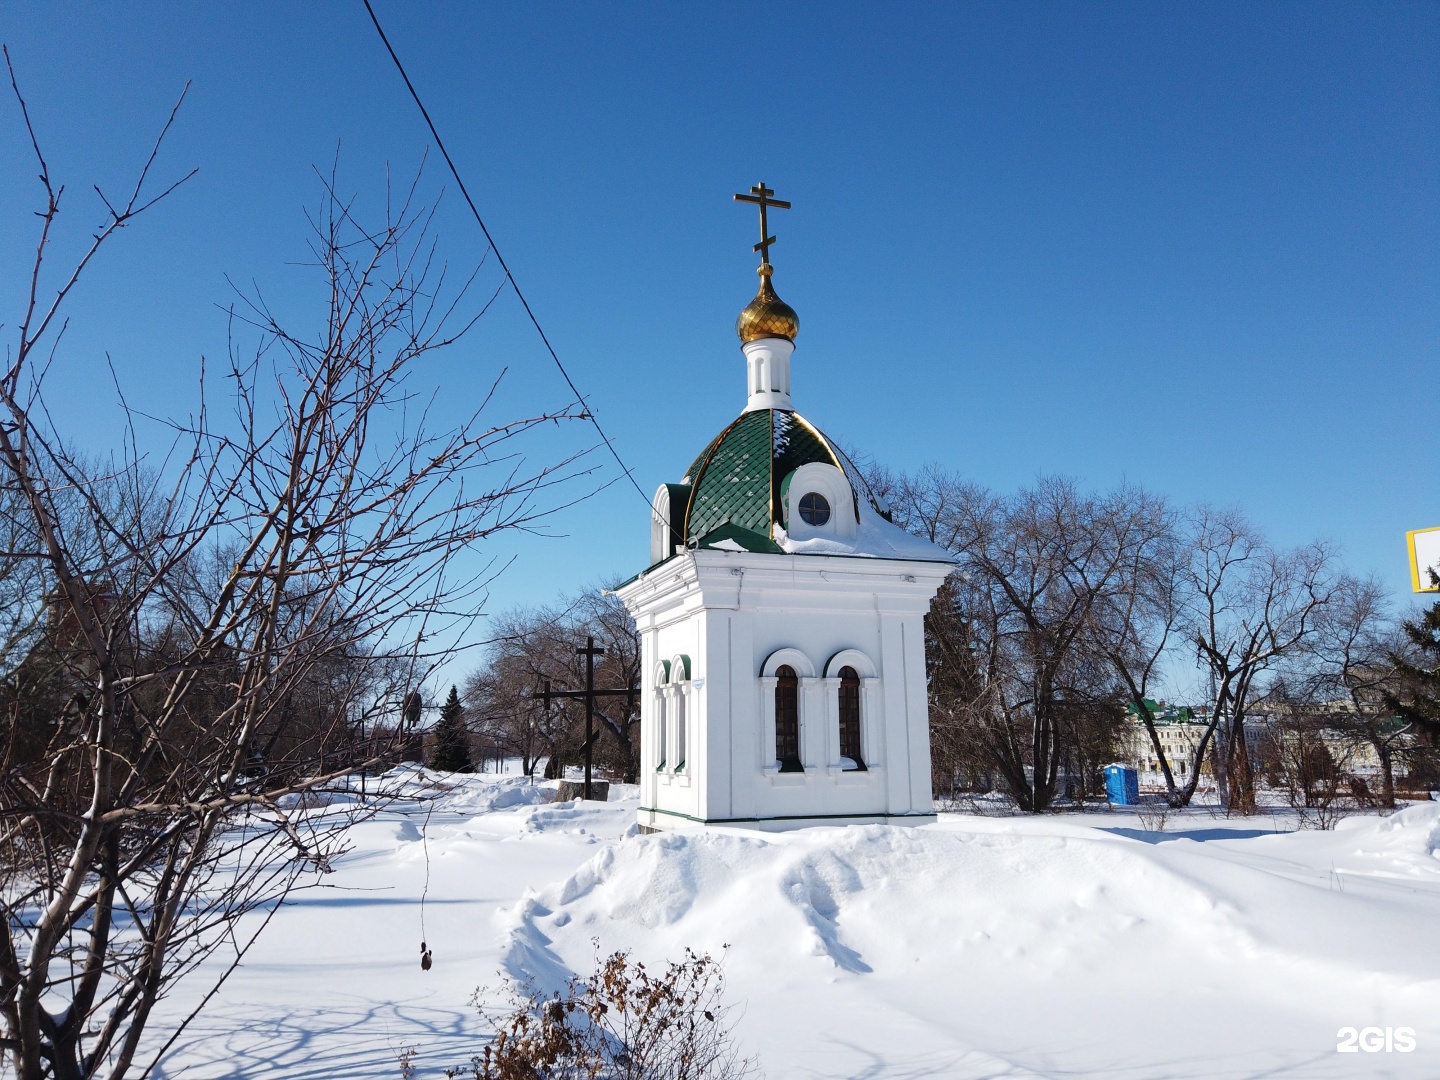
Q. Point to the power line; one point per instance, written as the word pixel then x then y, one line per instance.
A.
pixel 588 413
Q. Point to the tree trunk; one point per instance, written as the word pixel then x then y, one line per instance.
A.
pixel 1387 773
pixel 1239 773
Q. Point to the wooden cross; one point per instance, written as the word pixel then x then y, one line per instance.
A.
pixel 760 195
pixel 590 651
pixel 588 695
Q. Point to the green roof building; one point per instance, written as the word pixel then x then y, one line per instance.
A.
pixel 781 620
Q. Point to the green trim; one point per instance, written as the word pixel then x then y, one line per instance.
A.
pixel 748 539
pixel 679 495
pixel 638 575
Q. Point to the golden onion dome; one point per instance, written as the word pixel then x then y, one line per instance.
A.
pixel 767 315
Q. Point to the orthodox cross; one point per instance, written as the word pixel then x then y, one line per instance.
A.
pixel 588 695
pixel 760 195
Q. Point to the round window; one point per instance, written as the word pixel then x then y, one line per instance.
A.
pixel 814 509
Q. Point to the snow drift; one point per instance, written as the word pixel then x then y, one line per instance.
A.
pixel 1028 953
pixel 1076 947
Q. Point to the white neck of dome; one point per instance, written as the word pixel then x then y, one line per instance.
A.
pixel 767 367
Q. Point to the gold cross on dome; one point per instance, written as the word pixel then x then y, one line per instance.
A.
pixel 760 195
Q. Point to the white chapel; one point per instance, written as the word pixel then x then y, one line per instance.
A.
pixel 781 620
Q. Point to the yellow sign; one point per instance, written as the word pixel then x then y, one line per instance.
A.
pixel 1424 557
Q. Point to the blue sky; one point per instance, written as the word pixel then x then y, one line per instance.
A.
pixel 1192 246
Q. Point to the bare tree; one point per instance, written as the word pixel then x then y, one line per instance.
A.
pixel 1306 760
pixel 1136 619
pixel 499 702
pixel 1013 636
pixel 530 646
pixel 227 628
pixel 1351 671
pixel 960 700
pixel 533 646
pixel 602 615
pixel 1136 624
pixel 1054 584
pixel 1251 606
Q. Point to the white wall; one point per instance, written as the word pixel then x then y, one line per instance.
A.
pixel 730 612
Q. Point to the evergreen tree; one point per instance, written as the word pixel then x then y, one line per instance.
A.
pixel 1418 699
pixel 451 752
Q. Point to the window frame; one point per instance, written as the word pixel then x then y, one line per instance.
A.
pixel 809 712
pixel 661 721
pixel 816 516
pixel 851 688
pixel 679 714
pixel 871 703
pixel 787 684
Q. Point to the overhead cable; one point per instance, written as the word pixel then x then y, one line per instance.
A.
pixel 587 413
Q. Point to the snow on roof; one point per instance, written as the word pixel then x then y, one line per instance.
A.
pixel 875 538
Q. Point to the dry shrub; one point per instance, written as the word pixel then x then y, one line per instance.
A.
pixel 1153 815
pixel 623 1023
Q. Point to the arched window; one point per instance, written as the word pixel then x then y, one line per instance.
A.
pixel 787 719
pixel 680 729
pixel 662 676
pixel 850 717
pixel 676 693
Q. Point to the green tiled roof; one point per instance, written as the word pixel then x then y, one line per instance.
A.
pixel 735 483
pixel 794 443
pixel 694 470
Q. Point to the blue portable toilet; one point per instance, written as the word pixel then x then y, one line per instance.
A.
pixel 1122 785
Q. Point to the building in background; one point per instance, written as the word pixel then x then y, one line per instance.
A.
pixel 1180 729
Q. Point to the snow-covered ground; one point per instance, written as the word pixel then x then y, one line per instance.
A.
pixel 1074 946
